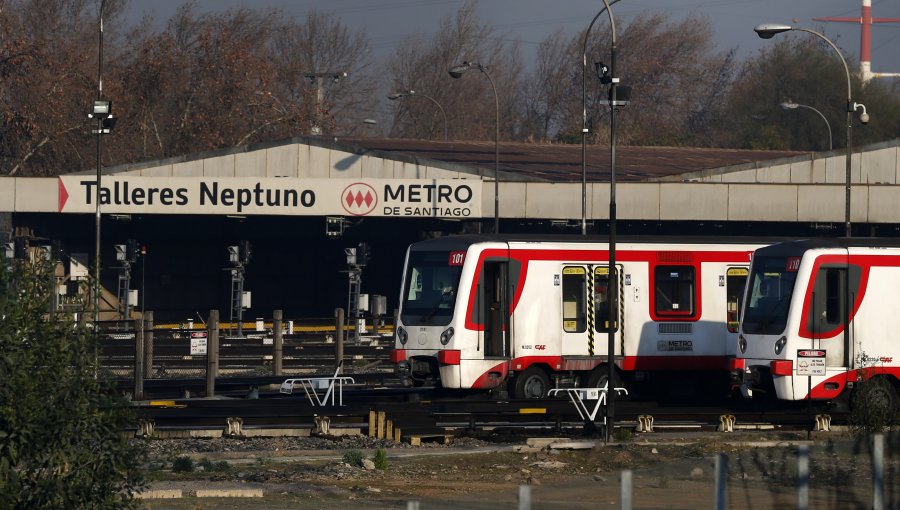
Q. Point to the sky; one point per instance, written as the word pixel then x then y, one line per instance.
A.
pixel 388 22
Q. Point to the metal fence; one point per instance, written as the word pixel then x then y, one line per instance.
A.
pixel 212 350
pixel 835 473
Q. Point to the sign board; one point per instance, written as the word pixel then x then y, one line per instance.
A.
pixel 413 198
pixel 811 362
pixel 198 342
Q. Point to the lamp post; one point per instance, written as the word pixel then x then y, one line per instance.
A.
pixel 412 93
pixel 102 111
pixel 457 72
pixel 790 105
pixel 613 280
pixel 769 30
pixel 584 129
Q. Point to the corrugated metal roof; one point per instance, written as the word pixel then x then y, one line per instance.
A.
pixel 562 162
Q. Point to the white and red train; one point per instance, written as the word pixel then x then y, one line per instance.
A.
pixel 477 312
pixel 817 319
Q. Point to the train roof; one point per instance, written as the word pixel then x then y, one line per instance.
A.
pixel 462 241
pixel 802 245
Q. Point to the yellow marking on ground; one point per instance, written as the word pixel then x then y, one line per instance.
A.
pixel 532 410
pixel 166 403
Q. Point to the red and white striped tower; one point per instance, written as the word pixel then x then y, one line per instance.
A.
pixel 865 39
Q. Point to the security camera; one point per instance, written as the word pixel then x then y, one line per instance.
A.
pixel 864 118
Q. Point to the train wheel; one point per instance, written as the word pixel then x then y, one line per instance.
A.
pixel 598 376
pixel 532 383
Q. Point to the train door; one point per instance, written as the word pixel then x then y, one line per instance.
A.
pixel 494 300
pixel 735 284
pixel 835 287
pixel 585 310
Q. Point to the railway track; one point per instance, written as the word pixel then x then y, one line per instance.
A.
pixel 415 414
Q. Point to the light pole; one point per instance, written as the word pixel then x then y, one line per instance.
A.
pixel 457 72
pixel 102 111
pixel 613 280
pixel 767 31
pixel 412 93
pixel 584 129
pixel 790 105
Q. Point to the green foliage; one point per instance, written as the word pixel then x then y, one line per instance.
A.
pixel 182 465
pixel 873 406
pixel 623 434
pixel 380 459
pixel 221 467
pixel 353 457
pixel 60 441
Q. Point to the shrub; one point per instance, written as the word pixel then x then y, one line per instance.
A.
pixel 623 434
pixel 60 419
pixel 182 465
pixel 380 459
pixel 354 458
pixel 873 406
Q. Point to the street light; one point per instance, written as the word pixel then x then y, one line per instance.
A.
pixel 769 30
pixel 412 93
pixel 584 129
pixel 456 72
pixel 790 105
pixel 102 111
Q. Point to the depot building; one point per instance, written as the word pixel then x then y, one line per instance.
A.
pixel 300 203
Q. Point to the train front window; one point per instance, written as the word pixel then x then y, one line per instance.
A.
pixel 771 284
pixel 430 287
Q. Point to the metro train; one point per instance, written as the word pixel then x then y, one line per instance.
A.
pixel 816 319
pixel 530 313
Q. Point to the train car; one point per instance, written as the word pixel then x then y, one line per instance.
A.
pixel 531 313
pixel 816 319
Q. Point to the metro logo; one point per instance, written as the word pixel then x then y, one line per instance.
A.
pixel 359 199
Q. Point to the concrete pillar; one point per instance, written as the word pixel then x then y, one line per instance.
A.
pixel 212 353
pixel 278 342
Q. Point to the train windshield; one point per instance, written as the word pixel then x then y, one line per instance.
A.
pixel 430 287
pixel 771 284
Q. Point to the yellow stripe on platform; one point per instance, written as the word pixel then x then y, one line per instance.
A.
pixel 532 410
pixel 165 403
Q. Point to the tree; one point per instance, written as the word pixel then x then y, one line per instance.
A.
pixel 47 80
pixel 678 82
pixel 60 427
pixel 805 70
pixel 469 101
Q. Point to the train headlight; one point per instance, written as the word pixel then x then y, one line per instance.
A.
pixel 742 344
pixel 779 344
pixel 402 336
pixel 446 336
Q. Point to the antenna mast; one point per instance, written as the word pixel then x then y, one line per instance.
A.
pixel 865 41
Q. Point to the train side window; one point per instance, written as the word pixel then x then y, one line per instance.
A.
pixel 674 290
pixel 834 295
pixel 735 281
pixel 601 299
pixel 573 299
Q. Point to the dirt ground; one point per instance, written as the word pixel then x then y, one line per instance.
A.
pixel 669 471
